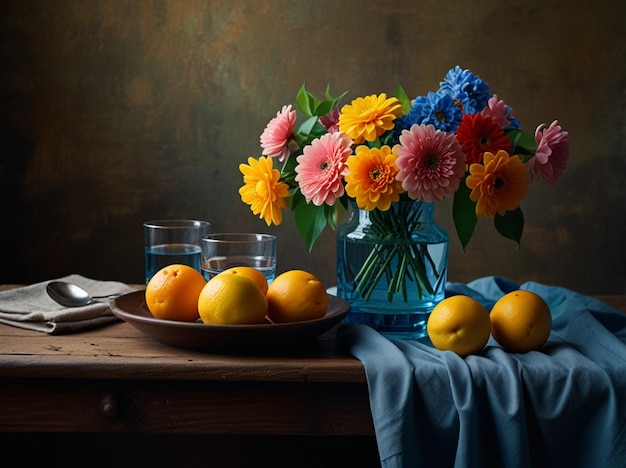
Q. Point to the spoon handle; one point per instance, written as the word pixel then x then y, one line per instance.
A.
pixel 108 296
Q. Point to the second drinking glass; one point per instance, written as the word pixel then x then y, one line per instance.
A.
pixel 227 250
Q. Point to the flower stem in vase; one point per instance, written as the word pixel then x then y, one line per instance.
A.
pixel 392 267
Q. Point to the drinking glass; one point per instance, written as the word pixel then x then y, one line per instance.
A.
pixel 226 250
pixel 167 242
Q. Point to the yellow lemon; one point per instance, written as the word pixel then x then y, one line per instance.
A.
pixel 249 272
pixel 460 324
pixel 521 321
pixel 295 296
pixel 232 299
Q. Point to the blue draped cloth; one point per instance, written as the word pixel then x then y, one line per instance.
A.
pixel 564 405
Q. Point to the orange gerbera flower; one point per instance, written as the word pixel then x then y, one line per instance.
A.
pixel 371 179
pixel 369 117
pixel 498 185
pixel 263 190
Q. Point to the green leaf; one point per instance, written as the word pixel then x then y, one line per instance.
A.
pixel 324 108
pixel 375 144
pixel 310 221
pixel 464 214
pixel 305 101
pixel 339 98
pixel 288 171
pixel 334 214
pixel 330 97
pixel 307 125
pixel 308 131
pixel 328 94
pixel 301 139
pixel 403 98
pixel 523 142
pixel 387 138
pixel 311 106
pixel 511 224
pixel 296 199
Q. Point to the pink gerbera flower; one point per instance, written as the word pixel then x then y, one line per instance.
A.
pixel 431 163
pixel 321 167
pixel 499 112
pixel 552 152
pixel 278 133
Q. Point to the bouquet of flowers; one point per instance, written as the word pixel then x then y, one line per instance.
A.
pixel 461 141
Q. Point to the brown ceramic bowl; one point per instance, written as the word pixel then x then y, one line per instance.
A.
pixel 199 336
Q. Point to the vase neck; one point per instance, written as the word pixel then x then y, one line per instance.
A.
pixel 416 209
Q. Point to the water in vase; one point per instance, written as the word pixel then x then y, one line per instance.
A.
pixel 404 312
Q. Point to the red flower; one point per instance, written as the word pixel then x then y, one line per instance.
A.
pixel 478 135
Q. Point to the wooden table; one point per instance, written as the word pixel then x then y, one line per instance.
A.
pixel 81 395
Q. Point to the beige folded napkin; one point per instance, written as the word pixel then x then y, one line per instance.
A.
pixel 30 307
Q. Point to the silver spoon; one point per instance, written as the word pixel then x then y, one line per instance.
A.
pixel 72 295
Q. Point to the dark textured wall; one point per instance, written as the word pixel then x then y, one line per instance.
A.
pixel 118 111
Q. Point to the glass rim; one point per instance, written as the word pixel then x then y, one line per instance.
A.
pixel 176 223
pixel 237 237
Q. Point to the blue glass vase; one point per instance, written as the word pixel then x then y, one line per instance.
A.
pixel 392 267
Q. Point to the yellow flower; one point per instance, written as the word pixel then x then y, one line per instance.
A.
pixel 498 184
pixel 369 117
pixel 371 179
pixel 263 190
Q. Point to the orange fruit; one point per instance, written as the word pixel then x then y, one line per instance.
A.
pixel 232 300
pixel 296 296
pixel 249 272
pixel 521 321
pixel 460 324
pixel 172 293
